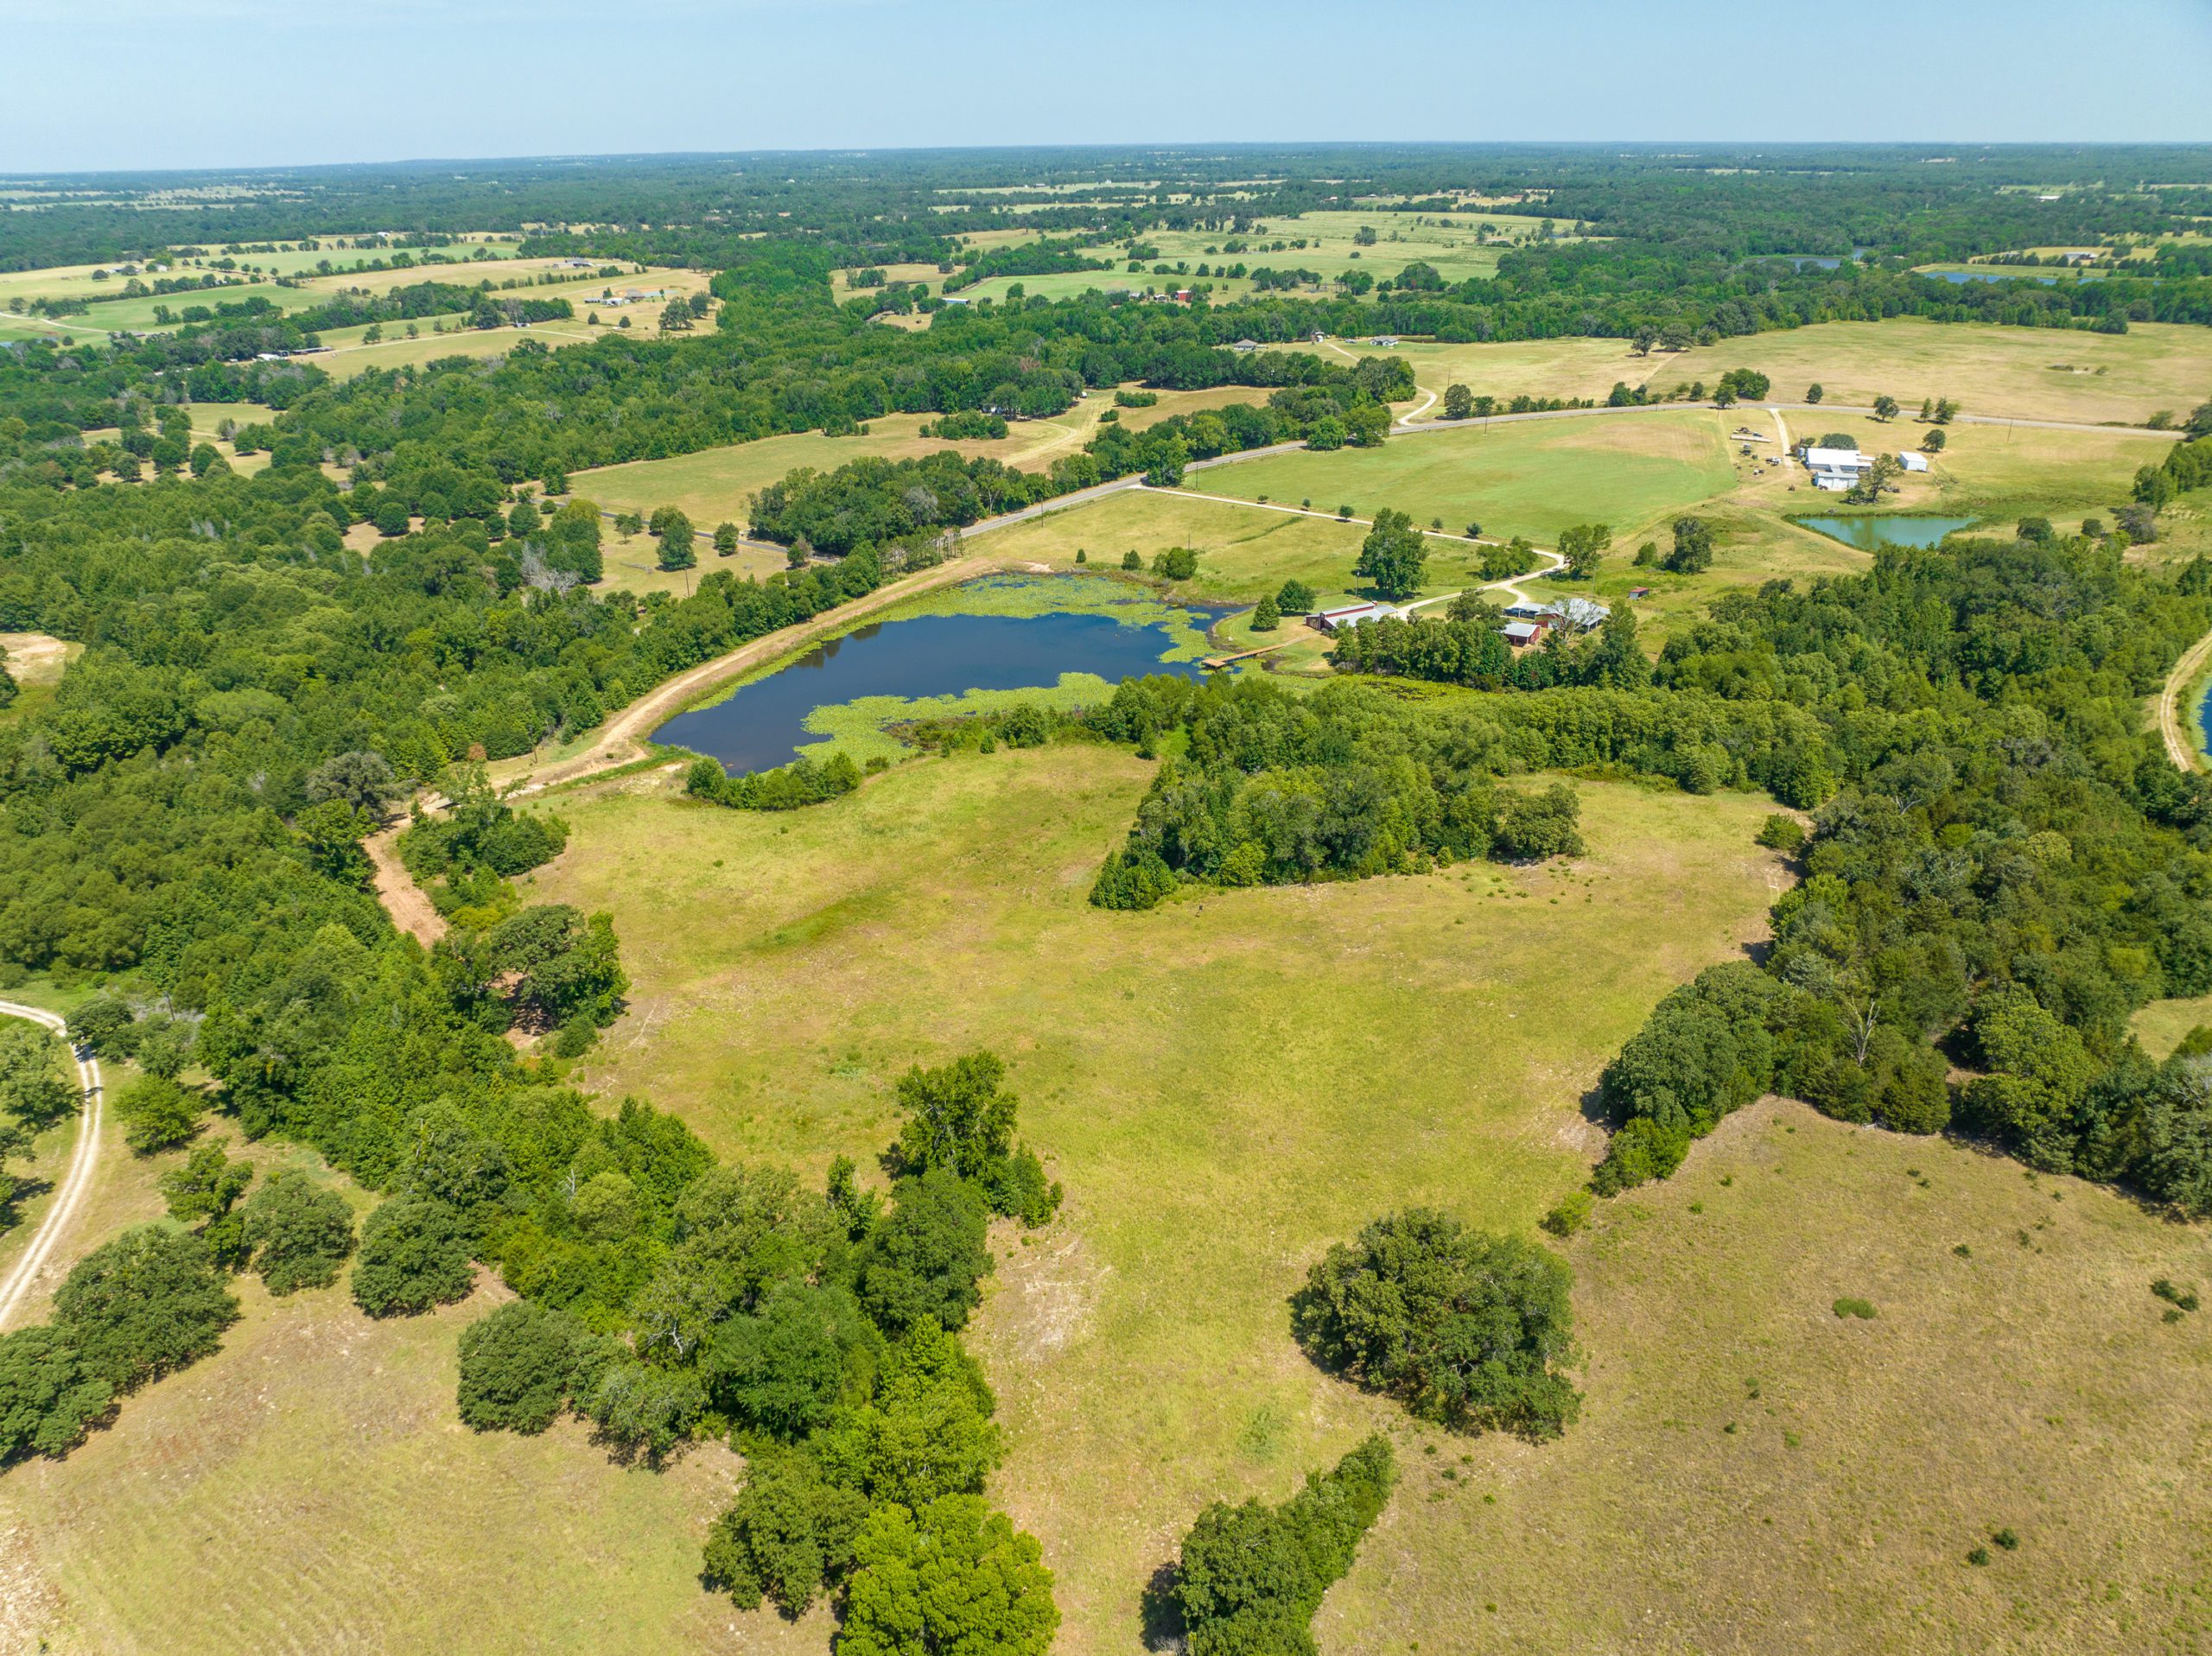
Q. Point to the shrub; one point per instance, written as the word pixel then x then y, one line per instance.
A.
pixel 1465 1328
pixel 299 1233
pixel 523 1364
pixel 1863 1310
pixel 1780 833
pixel 1572 1214
pixel 415 1254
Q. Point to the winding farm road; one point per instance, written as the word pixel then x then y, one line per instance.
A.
pixel 24 1274
pixel 2173 725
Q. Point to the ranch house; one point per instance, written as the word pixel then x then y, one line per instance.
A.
pixel 1836 468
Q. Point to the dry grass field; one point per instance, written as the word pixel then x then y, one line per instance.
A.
pixel 2029 373
pixel 1754 1472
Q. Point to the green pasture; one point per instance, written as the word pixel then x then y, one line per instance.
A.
pixel 1533 478
pixel 1224 1086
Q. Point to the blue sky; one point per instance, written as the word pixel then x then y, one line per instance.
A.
pixel 187 83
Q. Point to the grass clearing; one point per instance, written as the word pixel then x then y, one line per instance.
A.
pixel 632 563
pixel 1243 550
pixel 1224 1086
pixel 1533 478
pixel 2162 1024
pixel 1754 1472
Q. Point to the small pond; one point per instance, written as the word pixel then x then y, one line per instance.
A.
pixel 2204 720
pixel 764 724
pixel 1872 534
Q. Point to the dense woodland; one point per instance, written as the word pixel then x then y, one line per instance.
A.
pixel 2000 866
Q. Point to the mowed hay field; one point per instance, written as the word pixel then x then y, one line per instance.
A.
pixel 2029 1385
pixel 1224 1086
pixel 309 1487
pixel 1530 477
pixel 2027 372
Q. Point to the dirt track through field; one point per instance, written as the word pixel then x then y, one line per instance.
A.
pixel 15 1288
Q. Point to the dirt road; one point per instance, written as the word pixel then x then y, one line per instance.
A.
pixel 2173 718
pixel 16 1290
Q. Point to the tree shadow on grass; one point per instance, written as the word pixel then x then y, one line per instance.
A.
pixel 1159 1617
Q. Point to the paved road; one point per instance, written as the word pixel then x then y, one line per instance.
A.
pixel 23 1276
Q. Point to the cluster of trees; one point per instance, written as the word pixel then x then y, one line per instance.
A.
pixel 1250 1577
pixel 803 782
pixel 152 1301
pixel 1464 646
pixel 1274 789
pixel 1042 257
pixel 1465 1328
pixel 818 1328
pixel 2003 867
pixel 877 505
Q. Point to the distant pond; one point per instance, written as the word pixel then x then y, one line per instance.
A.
pixel 1872 534
pixel 764 724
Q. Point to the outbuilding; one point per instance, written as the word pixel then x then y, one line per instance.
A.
pixel 1912 461
pixel 1347 615
pixel 1522 634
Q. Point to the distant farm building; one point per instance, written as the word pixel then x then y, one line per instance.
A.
pixel 1581 613
pixel 1912 461
pixel 1347 615
pixel 1522 634
pixel 1245 347
pixel 1836 468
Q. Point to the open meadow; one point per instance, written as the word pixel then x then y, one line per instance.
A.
pixel 1533 478
pixel 2027 372
pixel 1755 1472
pixel 719 484
pixel 1223 1086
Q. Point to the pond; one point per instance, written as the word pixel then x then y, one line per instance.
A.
pixel 2204 720
pixel 764 724
pixel 1872 534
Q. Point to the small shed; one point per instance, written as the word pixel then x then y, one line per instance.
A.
pixel 1522 634
pixel 1912 461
